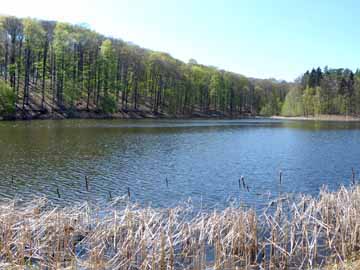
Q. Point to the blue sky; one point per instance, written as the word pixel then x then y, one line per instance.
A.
pixel 257 38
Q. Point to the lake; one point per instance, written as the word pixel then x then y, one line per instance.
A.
pixel 165 162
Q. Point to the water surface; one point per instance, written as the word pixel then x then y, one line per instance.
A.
pixel 201 159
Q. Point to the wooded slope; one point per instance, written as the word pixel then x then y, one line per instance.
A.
pixel 58 69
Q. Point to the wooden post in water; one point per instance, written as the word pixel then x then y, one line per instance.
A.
pixel 239 183
pixel 167 182
pixel 243 182
pixel 353 176
pixel 280 177
pixel 12 180
pixel 86 183
pixel 128 192
pixel 58 192
pixel 110 195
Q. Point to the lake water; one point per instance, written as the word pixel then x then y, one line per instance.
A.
pixel 201 159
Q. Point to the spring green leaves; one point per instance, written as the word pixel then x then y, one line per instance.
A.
pixel 7 100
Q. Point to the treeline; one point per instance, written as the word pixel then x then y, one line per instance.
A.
pixel 328 91
pixel 48 67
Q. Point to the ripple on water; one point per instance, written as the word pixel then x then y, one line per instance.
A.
pixel 201 159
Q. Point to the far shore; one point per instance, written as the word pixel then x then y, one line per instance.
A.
pixel 125 114
pixel 146 114
pixel 339 118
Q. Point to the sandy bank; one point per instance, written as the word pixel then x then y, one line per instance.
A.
pixel 339 118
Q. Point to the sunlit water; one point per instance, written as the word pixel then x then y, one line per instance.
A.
pixel 201 159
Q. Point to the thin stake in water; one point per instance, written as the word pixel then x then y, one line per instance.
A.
pixel 243 182
pixel 167 182
pixel 87 183
pixel 58 192
pixel 353 176
pixel 128 192
pixel 280 177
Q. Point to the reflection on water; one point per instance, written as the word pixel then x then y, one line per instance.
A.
pixel 202 159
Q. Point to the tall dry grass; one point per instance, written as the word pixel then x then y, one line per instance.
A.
pixel 289 234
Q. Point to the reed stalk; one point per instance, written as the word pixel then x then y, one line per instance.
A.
pixel 302 233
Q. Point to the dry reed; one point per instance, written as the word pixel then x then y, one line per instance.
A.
pixel 290 234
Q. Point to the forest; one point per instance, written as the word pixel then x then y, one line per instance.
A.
pixel 58 69
pixel 328 91
pixel 54 69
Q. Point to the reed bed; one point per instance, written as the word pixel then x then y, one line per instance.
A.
pixel 301 233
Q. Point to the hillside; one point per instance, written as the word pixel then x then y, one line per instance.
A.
pixel 58 70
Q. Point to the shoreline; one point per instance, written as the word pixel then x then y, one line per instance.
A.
pixel 138 115
pixel 333 118
pixel 129 114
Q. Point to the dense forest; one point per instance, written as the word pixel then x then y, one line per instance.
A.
pixel 58 69
pixel 328 91
pixel 54 69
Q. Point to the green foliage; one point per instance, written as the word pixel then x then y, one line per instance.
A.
pixel 7 100
pixel 69 66
pixel 356 96
pixel 271 108
pixel 107 50
pixel 293 104
pixel 70 95
pixel 215 87
pixel 308 101
pixel 108 104
pixel 332 91
pixel 108 67
pixel 267 110
pixel 34 34
pixel 62 37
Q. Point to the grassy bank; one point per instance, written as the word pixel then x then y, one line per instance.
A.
pixel 303 234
